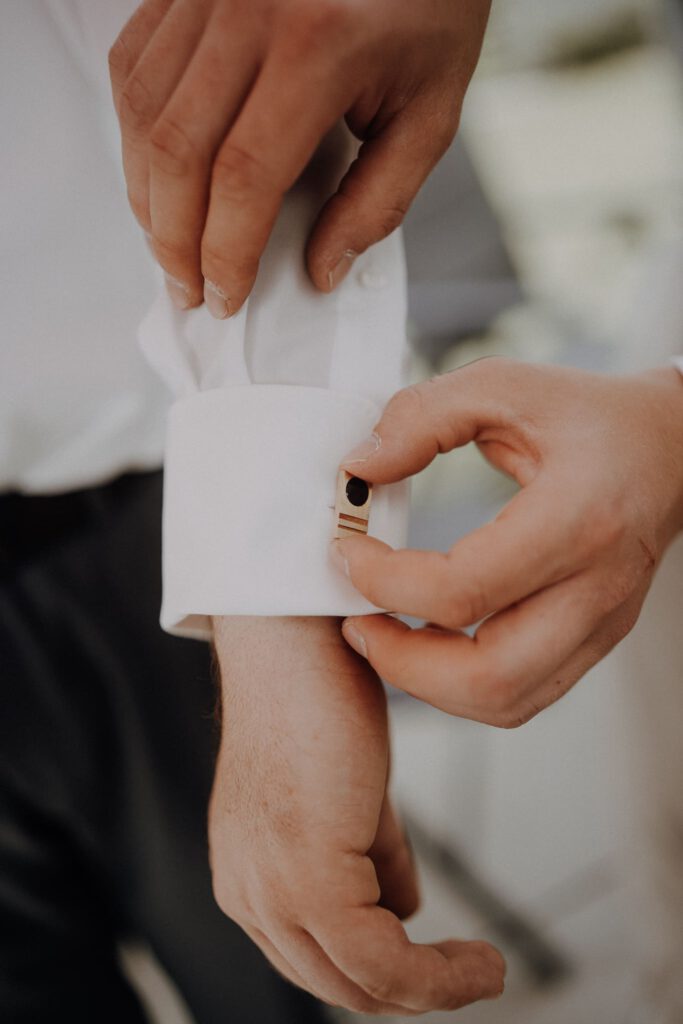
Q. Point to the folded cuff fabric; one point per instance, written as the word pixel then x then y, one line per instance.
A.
pixel 248 523
pixel 268 402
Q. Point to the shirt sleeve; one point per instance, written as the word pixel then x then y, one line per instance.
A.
pixel 267 404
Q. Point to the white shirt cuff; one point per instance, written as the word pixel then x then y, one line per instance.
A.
pixel 249 493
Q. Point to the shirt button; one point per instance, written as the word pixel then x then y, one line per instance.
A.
pixel 373 279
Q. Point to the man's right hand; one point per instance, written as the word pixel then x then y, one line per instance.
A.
pixel 306 852
pixel 222 104
pixel 558 578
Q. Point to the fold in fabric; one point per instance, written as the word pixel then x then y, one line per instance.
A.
pixel 249 505
pixel 268 403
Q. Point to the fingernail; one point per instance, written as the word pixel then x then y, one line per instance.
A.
pixel 363 451
pixel 216 300
pixel 354 638
pixel 495 970
pixel 179 292
pixel 341 269
pixel 338 558
pixel 496 985
pixel 150 243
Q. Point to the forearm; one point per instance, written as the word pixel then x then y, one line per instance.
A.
pixel 291 692
pixel 307 854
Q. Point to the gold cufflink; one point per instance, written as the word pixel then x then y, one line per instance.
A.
pixel 352 508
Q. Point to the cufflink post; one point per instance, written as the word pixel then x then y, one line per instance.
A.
pixel 352 507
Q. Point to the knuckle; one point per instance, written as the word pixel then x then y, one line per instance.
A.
pixel 466 605
pixel 139 204
pixel 218 266
pixel 603 528
pixel 418 406
pixel 320 19
pixel 360 1002
pixel 516 716
pixel 495 689
pixel 444 131
pixel 629 619
pixel 118 59
pixel 621 582
pixel 647 556
pixel 237 174
pixel 172 254
pixel 628 575
pixel 622 626
pixel 381 987
pixel 496 699
pixel 231 897
pixel 226 896
pixel 136 108
pixel 369 586
pixel 405 404
pixel 392 216
pixel 171 150
pixel 616 589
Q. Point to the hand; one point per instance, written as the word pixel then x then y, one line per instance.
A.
pixel 222 103
pixel 306 852
pixel 560 575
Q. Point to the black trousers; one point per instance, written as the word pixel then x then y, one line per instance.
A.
pixel 107 741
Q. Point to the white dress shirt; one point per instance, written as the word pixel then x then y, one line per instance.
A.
pixel 266 403
pixel 78 405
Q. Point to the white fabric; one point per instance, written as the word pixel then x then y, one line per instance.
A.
pixel 78 405
pixel 247 525
pixel 270 401
pixel 250 470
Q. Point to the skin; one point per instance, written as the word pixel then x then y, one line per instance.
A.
pixel 222 104
pixel 307 854
pixel 560 575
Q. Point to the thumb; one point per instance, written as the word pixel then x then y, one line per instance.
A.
pixel 394 865
pixel 431 418
pixel 376 192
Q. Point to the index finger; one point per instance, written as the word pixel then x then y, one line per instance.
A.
pixel 435 416
pixel 131 41
pixel 270 144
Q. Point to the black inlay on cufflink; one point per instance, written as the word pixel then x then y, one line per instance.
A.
pixel 357 491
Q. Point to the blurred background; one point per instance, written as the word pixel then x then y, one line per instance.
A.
pixel 565 242
pixel 550 232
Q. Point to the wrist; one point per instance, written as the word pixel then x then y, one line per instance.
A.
pixel 269 649
pixel 280 669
